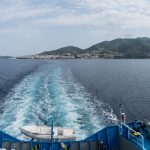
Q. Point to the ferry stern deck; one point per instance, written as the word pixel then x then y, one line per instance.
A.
pixel 123 136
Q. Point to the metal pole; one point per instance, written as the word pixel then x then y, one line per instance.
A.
pixel 52 125
pixel 120 115
pixel 120 109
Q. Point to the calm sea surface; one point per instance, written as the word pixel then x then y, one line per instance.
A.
pixel 82 94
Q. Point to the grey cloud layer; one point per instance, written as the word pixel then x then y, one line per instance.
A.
pixel 57 23
pixel 77 12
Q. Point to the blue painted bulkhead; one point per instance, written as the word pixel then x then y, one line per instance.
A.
pixel 108 136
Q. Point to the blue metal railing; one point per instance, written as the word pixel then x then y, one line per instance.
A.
pixel 138 140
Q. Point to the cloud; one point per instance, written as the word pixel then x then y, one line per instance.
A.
pixel 92 20
pixel 121 13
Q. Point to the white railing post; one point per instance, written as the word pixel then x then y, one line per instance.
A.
pixel 143 143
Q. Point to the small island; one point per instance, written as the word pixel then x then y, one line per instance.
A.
pixel 115 49
pixel 6 57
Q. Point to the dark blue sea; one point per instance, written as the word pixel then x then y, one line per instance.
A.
pixel 81 94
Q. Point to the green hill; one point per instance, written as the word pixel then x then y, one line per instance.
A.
pixel 118 48
pixel 132 48
pixel 64 50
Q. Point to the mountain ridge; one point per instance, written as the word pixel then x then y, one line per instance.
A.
pixel 118 48
pixel 66 49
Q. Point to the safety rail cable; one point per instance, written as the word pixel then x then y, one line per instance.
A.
pixel 138 140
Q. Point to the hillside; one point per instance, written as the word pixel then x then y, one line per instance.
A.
pixel 128 48
pixel 118 48
pixel 5 57
pixel 69 49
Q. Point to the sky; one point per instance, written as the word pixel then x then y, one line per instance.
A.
pixel 33 26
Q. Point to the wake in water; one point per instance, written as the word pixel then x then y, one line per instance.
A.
pixel 52 91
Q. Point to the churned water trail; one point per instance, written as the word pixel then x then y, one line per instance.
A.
pixel 53 91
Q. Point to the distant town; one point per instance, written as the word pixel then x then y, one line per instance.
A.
pixel 89 55
pixel 118 48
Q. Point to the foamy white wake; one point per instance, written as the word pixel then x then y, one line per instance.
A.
pixel 53 91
